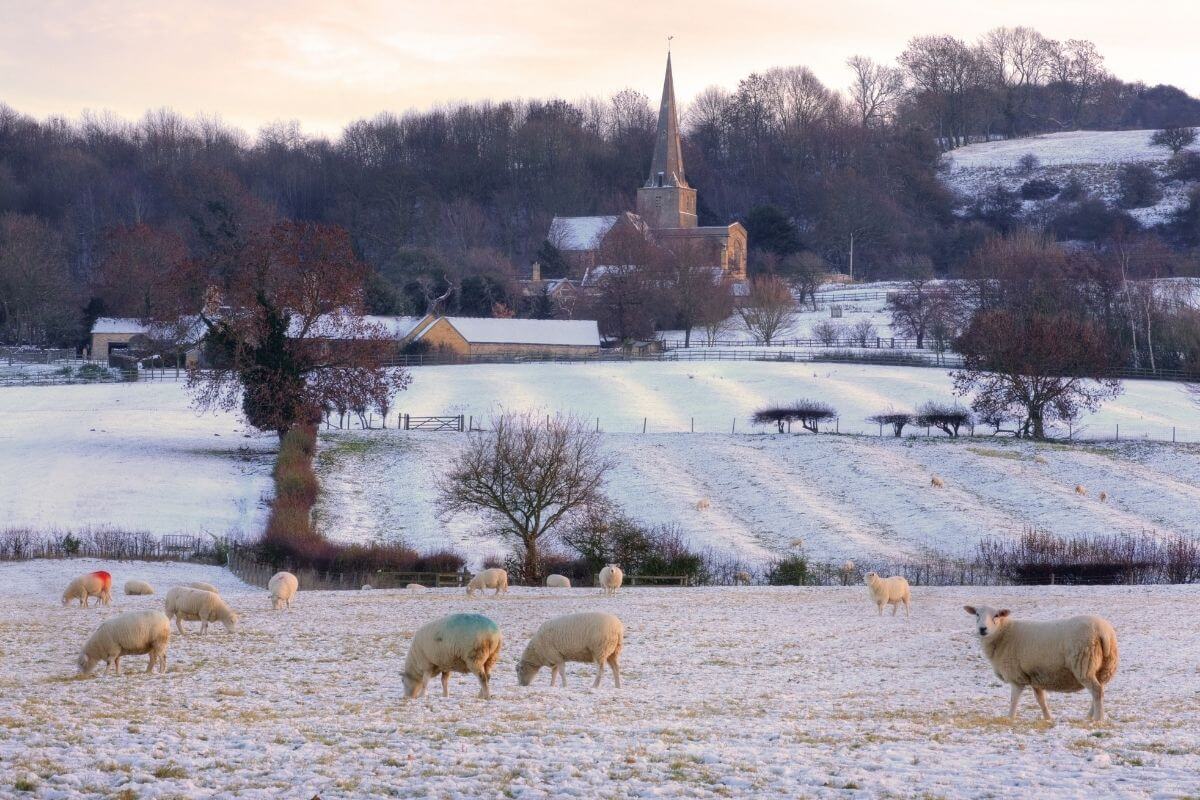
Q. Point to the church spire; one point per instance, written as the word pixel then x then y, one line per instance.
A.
pixel 666 168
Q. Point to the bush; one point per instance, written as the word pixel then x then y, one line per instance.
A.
pixel 1090 221
pixel 1072 191
pixel 809 413
pixel 828 333
pixel 1028 163
pixel 788 571
pixel 604 536
pixel 71 544
pixel 897 420
pixel 1039 189
pixel 1138 186
pixel 863 332
pixel 1038 557
pixel 946 417
pixel 1184 166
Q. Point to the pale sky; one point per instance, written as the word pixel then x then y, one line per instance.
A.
pixel 327 63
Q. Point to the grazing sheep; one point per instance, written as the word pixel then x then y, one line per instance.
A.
pixel 133 633
pixel 888 591
pixel 415 588
pixel 937 483
pixel 741 578
pixel 1103 497
pixel 95 584
pixel 366 587
pixel 1040 460
pixel 207 587
pixel 494 578
pixel 610 578
pixel 591 637
pixel 455 643
pixel 282 586
pixel 184 602
pixel 1061 656
pixel 138 587
pixel 1079 490
pixel 558 582
pixel 798 544
pixel 702 504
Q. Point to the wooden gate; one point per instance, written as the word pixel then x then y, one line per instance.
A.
pixel 411 423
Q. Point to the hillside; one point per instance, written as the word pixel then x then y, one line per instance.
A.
pixel 1091 157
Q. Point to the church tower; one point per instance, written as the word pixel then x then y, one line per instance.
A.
pixel 666 200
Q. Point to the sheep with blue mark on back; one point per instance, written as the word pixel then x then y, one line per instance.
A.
pixel 467 643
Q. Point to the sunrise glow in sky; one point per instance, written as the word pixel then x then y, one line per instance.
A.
pixel 325 64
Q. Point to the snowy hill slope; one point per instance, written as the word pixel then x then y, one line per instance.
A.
pixel 1091 157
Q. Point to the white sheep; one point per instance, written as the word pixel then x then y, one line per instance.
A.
pixel 138 587
pixel 208 587
pixel 610 578
pixel 283 587
pixel 184 602
pixel 937 483
pixel 591 637
pixel 455 643
pixel 1061 656
pixel 1080 490
pixel 133 633
pixel 415 588
pixel 366 587
pixel 494 578
pixel 94 584
pixel 742 578
pixel 558 582
pixel 703 504
pixel 888 591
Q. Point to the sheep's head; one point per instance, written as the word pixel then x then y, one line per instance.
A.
pixel 870 578
pixel 613 566
pixel 414 687
pixel 987 619
pixel 231 623
pixel 85 664
pixel 526 672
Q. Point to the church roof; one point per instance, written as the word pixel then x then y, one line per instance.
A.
pixel 668 154
pixel 580 233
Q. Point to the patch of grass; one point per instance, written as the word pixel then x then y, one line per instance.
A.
pixel 991 452
pixel 169 771
pixel 25 784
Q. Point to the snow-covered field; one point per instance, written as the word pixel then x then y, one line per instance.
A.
pixel 754 692
pixel 1092 157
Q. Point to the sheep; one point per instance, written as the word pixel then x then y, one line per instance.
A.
pixel 1060 656
pixel 184 602
pixel 415 588
pixel 742 578
pixel 366 587
pixel 94 584
pixel 138 587
pixel 702 504
pixel 455 643
pixel 888 591
pixel 133 633
pixel 1103 497
pixel 610 578
pixel 1079 490
pixel 494 578
pixel 1040 460
pixel 937 483
pixel 207 587
pixel 798 544
pixel 282 586
pixel 558 582
pixel 591 637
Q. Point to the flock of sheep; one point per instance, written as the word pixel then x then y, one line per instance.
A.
pixel 1060 656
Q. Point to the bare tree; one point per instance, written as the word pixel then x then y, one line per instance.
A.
pixel 874 90
pixel 768 309
pixel 690 286
pixel 528 475
pixel 1174 139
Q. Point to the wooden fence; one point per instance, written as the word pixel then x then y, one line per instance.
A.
pixel 256 573
pixel 17 545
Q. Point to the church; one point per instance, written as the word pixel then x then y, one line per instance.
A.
pixel 666 211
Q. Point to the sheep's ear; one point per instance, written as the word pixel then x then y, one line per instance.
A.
pixel 970 610
pixel 1002 613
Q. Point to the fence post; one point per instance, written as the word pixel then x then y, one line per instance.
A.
pixel 644 424
pixel 1172 434
pixel 734 428
pixel 597 424
pixel 471 423
pixel 1118 431
pixel 694 429
pixel 460 423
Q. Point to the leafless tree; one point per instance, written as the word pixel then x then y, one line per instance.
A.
pixel 874 90
pixel 528 475
pixel 768 309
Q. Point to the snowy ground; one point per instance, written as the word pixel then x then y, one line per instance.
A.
pixel 1093 157
pixel 753 692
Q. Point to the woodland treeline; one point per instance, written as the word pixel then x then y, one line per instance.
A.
pixel 96 213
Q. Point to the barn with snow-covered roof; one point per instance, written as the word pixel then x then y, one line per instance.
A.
pixel 476 336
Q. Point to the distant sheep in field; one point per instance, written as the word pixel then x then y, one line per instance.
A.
pixel 415 588
pixel 283 587
pixel 888 591
pixel 138 587
pixel 741 578
pixel 366 587
pixel 610 579
pixel 703 504
pixel 455 643
pixel 1080 490
pixel 558 582
pixel 937 483
pixel 590 637
pixel 184 602
pixel 1040 460
pixel 133 633
pixel 1103 497
pixel 797 544
pixel 1060 656
pixel 207 587
pixel 494 578
pixel 95 584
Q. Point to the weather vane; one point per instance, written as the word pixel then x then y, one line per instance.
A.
pixel 669 38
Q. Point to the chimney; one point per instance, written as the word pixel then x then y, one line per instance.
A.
pixel 536 272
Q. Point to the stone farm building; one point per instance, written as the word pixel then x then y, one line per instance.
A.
pixel 483 336
pixel 666 212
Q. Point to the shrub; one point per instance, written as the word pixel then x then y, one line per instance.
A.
pixel 1039 189
pixel 1137 186
pixel 1184 166
pixel 1028 163
pixel 863 332
pixel 828 333
pixel 809 413
pixel 605 536
pixel 896 419
pixel 70 544
pixel 1038 557
pixel 788 571
pixel 1072 191
pixel 946 417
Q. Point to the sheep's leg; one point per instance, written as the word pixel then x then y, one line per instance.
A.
pixel 117 664
pixel 484 691
pixel 907 611
pixel 445 684
pixel 203 626
pixel 1096 712
pixel 1016 696
pixel 1040 694
pixel 153 661
pixel 555 671
pixel 599 673
pixel 616 670
pixel 895 608
pixel 880 608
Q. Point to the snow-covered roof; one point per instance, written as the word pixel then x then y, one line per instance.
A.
pixel 188 329
pixel 486 330
pixel 580 233
pixel 118 325
pixel 396 327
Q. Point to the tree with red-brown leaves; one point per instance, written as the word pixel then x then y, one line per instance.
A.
pixel 140 271
pixel 1036 348
pixel 285 335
